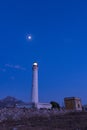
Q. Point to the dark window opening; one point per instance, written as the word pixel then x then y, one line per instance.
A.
pixel 78 106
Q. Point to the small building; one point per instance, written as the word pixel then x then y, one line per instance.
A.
pixel 44 106
pixel 25 105
pixel 73 104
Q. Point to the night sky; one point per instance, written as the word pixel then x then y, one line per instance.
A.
pixel 59 45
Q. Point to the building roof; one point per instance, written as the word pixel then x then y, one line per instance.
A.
pixel 71 98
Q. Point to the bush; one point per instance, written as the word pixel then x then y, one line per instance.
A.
pixel 55 105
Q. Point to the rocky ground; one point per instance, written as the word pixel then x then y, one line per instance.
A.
pixel 26 119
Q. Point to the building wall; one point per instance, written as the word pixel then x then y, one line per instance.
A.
pixel 69 104
pixel 78 104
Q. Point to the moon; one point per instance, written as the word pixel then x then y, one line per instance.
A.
pixel 29 37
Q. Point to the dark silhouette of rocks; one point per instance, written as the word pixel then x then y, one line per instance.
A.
pixel 10 102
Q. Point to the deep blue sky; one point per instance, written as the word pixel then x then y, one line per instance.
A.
pixel 59 45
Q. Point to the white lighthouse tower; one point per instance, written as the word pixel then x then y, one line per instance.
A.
pixel 35 84
pixel 34 100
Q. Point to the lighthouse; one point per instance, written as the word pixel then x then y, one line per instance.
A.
pixel 35 84
pixel 34 99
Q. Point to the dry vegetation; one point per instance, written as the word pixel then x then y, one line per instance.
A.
pixel 46 120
